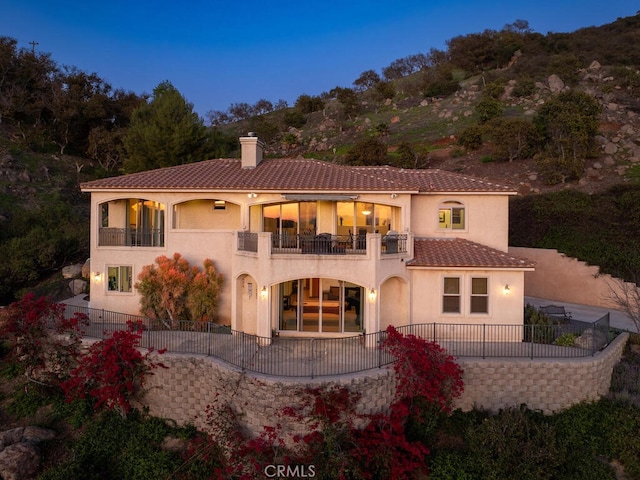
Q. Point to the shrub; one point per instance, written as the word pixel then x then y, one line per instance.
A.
pixel 112 372
pixel 471 137
pixel 27 327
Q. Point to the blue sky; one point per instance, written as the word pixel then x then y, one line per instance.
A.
pixel 221 52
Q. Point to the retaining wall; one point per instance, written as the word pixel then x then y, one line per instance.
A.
pixel 567 279
pixel 183 391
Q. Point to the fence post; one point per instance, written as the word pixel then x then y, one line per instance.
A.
pixel 531 339
pixel 484 339
pixel 379 344
pixel 312 358
pixel 208 339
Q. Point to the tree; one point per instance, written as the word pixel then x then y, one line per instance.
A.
pixel 370 151
pixel 366 80
pixel 567 125
pixel 308 104
pixel 164 132
pixel 174 290
pixel 513 138
pixel 349 101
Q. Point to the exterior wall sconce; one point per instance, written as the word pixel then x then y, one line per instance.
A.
pixel 507 290
pixel 97 276
pixel 372 295
pixel 263 293
pixel 252 195
pixel 394 195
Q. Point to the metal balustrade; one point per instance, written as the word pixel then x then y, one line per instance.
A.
pixel 314 357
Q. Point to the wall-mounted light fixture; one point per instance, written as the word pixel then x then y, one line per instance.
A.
pixel 507 290
pixel 97 276
pixel 263 292
pixel 372 295
pixel 252 195
pixel 394 195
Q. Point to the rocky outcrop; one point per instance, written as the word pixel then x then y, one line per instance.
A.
pixel 20 453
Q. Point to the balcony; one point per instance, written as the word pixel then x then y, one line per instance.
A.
pixel 130 237
pixel 327 244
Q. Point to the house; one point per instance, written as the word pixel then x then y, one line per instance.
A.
pixel 310 248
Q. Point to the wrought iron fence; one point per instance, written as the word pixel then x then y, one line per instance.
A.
pixel 314 357
pixel 130 237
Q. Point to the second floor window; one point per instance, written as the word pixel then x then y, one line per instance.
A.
pixel 451 216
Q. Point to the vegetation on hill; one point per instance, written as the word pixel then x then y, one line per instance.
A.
pixel 484 101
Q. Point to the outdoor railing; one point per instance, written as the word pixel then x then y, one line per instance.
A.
pixel 130 237
pixel 247 241
pixel 313 357
pixel 321 244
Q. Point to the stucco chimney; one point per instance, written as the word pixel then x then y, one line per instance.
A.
pixel 251 148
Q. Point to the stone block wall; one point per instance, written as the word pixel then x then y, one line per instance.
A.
pixel 549 385
pixel 183 391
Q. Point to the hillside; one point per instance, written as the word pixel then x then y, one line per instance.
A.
pixel 414 117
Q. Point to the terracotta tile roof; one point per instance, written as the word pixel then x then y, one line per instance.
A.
pixel 297 175
pixel 458 252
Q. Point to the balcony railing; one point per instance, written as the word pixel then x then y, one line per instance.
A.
pixel 247 242
pixel 130 237
pixel 313 357
pixel 394 243
pixel 321 244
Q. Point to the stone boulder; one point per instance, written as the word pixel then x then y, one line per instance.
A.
pixel 20 453
pixel 72 271
pixel 556 85
pixel 86 269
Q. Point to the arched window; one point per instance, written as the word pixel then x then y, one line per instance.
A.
pixel 451 215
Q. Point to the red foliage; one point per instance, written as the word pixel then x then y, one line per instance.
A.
pixel 423 369
pixel 113 371
pixel 28 324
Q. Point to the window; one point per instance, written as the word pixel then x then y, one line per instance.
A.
pixel 451 216
pixel 119 278
pixel 451 295
pixel 479 295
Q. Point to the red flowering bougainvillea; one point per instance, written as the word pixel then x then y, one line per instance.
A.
pixel 113 371
pixel 41 337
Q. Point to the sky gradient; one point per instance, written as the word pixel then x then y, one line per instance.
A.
pixel 220 52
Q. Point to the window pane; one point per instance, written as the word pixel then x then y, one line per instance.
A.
pixel 451 285
pixel 444 219
pixel 479 304
pixel 451 304
pixel 113 274
pixel 457 218
pixel 125 279
pixel 478 286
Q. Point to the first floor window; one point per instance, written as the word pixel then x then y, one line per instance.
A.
pixel 451 295
pixel 479 295
pixel 119 278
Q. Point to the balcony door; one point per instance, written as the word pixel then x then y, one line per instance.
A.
pixel 320 305
pixel 289 220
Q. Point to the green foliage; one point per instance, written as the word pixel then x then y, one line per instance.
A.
pixel 294 118
pixel 37 241
pixel 164 132
pixel 112 447
pixel 566 66
pixel 308 104
pixel 370 151
pixel 566 340
pixel 513 138
pixel 517 444
pixel 405 157
pixel 488 108
pixel 471 137
pixel 574 223
pixel 384 90
pixel 567 125
pixel 524 87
